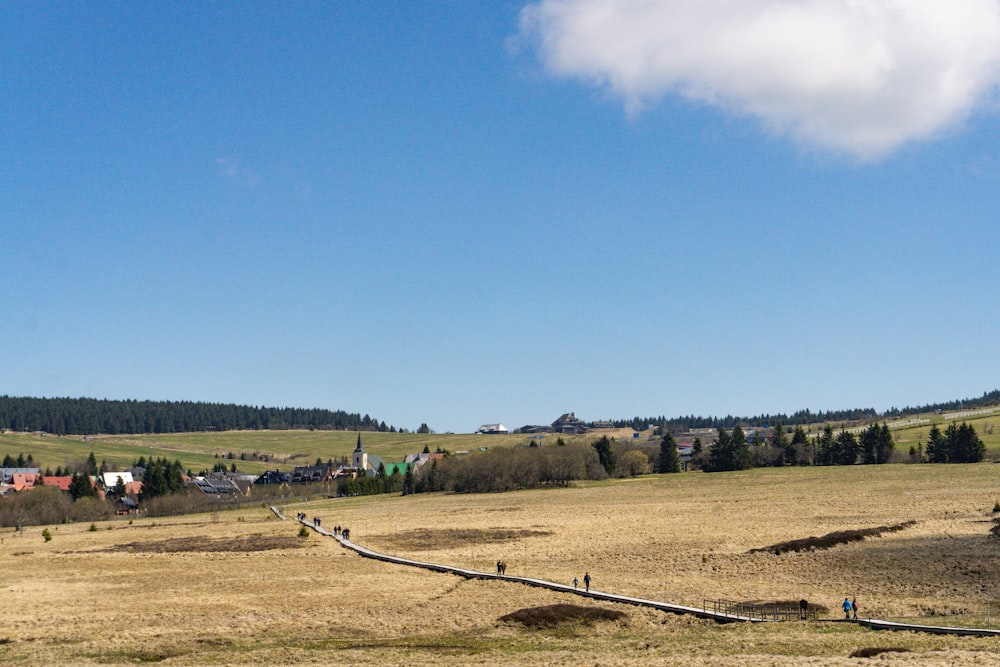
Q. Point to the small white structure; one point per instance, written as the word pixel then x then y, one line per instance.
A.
pixel 111 479
pixel 493 429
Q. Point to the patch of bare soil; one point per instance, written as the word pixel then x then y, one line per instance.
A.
pixel 443 538
pixel 208 545
pixel 871 652
pixel 553 615
pixel 831 540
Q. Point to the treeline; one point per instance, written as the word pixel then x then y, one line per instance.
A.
pixel 730 450
pixel 803 417
pixel 513 468
pixel 90 416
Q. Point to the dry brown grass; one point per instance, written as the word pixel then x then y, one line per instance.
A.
pixel 91 598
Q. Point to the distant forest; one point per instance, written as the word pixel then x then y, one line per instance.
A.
pixel 803 417
pixel 89 416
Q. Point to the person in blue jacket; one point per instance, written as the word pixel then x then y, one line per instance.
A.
pixel 847 608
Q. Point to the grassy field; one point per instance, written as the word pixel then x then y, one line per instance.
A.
pixel 199 451
pixel 986 425
pixel 243 588
pixel 286 449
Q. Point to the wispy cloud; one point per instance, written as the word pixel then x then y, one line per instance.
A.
pixel 233 169
pixel 860 77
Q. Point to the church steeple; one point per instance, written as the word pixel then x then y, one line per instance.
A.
pixel 360 458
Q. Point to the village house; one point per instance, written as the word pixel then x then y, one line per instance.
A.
pixel 312 474
pixel 62 482
pixel 569 423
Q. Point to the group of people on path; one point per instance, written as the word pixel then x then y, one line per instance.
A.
pixel 850 607
pixel 502 570
pixel 316 521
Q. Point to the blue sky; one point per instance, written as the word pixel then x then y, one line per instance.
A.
pixel 460 213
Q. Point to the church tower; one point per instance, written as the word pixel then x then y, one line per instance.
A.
pixel 360 456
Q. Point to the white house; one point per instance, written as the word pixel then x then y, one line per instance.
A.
pixel 111 479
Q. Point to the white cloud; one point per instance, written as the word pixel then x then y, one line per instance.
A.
pixel 232 168
pixel 860 77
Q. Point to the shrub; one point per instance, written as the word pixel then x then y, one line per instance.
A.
pixel 47 535
pixel 303 531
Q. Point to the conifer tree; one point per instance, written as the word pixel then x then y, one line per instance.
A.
pixel 885 444
pixel 798 447
pixel 937 446
pixel 605 454
pixel 779 440
pixel 670 460
pixel 729 452
pixel 846 449
pixel 81 487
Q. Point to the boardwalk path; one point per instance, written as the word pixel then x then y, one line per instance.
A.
pixel 870 623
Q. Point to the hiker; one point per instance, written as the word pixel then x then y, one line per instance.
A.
pixel 803 609
pixel 576 582
pixel 854 607
pixel 586 580
pixel 499 568
pixel 503 568
pixel 847 608
pixel 346 534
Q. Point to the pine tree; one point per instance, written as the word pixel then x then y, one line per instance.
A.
pixel 729 452
pixel 605 454
pixel 154 482
pixel 91 464
pixel 937 446
pixel 408 481
pixel 826 454
pixel 81 487
pixel 964 444
pixel 869 443
pixel 846 450
pixel 779 440
pixel 670 460
pixel 798 447
pixel 885 444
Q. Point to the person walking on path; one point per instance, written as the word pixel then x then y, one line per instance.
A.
pixel 586 581
pixel 854 608
pixel 847 608
pixel 576 582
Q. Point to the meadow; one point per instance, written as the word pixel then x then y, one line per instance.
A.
pixel 243 588
pixel 201 451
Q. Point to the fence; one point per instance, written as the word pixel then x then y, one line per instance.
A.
pixel 763 611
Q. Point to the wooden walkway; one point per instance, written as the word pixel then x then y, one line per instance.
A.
pixel 700 612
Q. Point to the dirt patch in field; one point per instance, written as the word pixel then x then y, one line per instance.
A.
pixel 871 652
pixel 831 540
pixel 553 615
pixel 208 545
pixel 443 538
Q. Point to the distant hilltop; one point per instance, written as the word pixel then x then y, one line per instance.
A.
pixel 89 416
